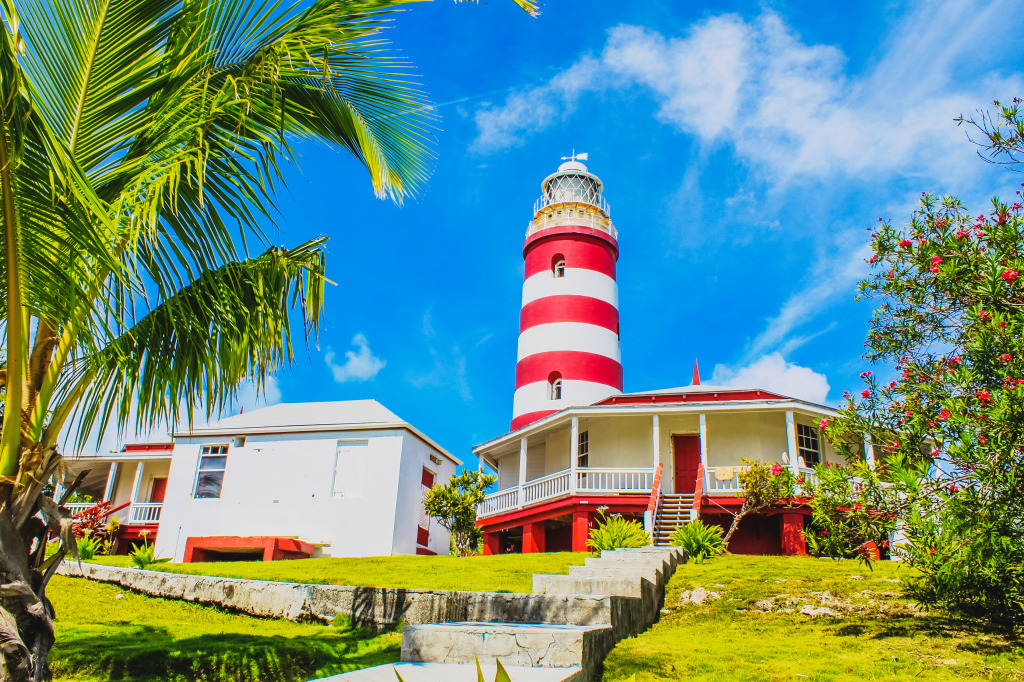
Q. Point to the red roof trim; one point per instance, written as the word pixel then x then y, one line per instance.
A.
pixel 712 397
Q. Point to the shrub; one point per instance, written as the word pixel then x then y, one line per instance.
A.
pixel 143 556
pixel 88 546
pixel 698 539
pixel 615 532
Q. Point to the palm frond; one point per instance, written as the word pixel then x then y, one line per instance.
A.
pixel 227 326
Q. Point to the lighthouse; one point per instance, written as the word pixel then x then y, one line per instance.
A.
pixel 569 351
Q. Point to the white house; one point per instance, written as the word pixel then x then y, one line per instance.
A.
pixel 342 478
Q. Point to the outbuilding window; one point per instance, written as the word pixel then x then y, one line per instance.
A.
pixel 807 439
pixel 213 460
pixel 350 468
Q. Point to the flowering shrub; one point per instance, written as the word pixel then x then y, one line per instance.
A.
pixel 950 320
pixel 763 486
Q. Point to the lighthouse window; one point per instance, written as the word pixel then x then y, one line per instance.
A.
pixel 560 269
pixel 556 389
pixel 583 450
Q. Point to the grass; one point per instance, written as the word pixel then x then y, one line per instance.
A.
pixel 106 633
pixel 503 573
pixel 718 641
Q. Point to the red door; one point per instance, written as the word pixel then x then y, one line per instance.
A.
pixel 687 459
pixel 159 488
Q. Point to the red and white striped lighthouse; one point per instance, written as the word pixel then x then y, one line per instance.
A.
pixel 569 323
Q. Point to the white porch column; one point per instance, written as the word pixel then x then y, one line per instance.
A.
pixel 135 488
pixel 655 441
pixel 108 491
pixel 574 452
pixel 58 490
pixel 869 450
pixel 794 451
pixel 522 471
pixel 703 440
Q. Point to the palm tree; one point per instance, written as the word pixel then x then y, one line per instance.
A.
pixel 140 143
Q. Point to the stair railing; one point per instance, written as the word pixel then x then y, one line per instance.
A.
pixel 698 494
pixel 651 514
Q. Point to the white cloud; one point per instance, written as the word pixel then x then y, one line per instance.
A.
pixel 772 372
pixel 786 107
pixel 359 365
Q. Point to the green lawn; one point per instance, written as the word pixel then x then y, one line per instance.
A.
pixel 106 633
pixel 504 573
pixel 719 642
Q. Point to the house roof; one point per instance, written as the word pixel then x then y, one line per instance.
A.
pixel 338 415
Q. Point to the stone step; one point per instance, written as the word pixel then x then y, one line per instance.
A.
pixel 624 570
pixel 456 672
pixel 535 646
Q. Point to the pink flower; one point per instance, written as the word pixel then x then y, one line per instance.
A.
pixel 823 423
pixel 906 242
pixel 944 413
pixel 982 395
pixel 955 360
pixel 953 490
pixel 1005 357
pixel 801 479
pixel 1010 275
pixel 936 260
pixel 935 269
pixel 776 470
pixel 936 453
pixel 865 375
pixel 866 393
pixel 932 550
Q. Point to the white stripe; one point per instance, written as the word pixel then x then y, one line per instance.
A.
pixel 568 336
pixel 534 397
pixel 577 282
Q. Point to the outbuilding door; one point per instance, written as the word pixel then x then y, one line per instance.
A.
pixel 686 451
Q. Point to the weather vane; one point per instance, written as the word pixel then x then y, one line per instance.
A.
pixel 576 157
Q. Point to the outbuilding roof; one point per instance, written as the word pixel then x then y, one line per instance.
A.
pixel 337 415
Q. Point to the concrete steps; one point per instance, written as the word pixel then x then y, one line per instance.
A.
pixel 673 511
pixel 580 617
pixel 532 645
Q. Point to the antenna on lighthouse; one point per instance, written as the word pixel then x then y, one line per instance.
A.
pixel 584 156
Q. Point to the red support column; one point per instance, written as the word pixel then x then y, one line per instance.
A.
pixel 793 543
pixel 533 538
pixel 492 543
pixel 580 530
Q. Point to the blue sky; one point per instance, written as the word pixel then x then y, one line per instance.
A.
pixel 747 148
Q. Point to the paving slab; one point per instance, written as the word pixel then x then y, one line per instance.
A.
pixel 456 672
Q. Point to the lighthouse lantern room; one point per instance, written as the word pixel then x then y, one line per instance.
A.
pixel 569 321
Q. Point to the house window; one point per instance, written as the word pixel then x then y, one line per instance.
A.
pixel 583 450
pixel 350 468
pixel 807 439
pixel 213 460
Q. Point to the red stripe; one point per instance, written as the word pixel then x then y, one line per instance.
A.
pixel 528 418
pixel 569 309
pixel 572 365
pixel 578 250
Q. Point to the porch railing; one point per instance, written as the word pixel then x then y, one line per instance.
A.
pixel 145 512
pixel 588 480
pixel 719 480
pixel 77 507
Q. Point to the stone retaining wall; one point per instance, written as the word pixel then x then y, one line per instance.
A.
pixel 379 607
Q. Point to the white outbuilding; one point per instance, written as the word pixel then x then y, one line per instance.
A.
pixel 344 478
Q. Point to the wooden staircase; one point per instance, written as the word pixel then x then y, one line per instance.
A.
pixel 673 511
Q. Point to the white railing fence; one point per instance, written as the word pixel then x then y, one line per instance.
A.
pixel 614 480
pixel 78 507
pixel 723 479
pixel 589 480
pixel 549 486
pixel 145 512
